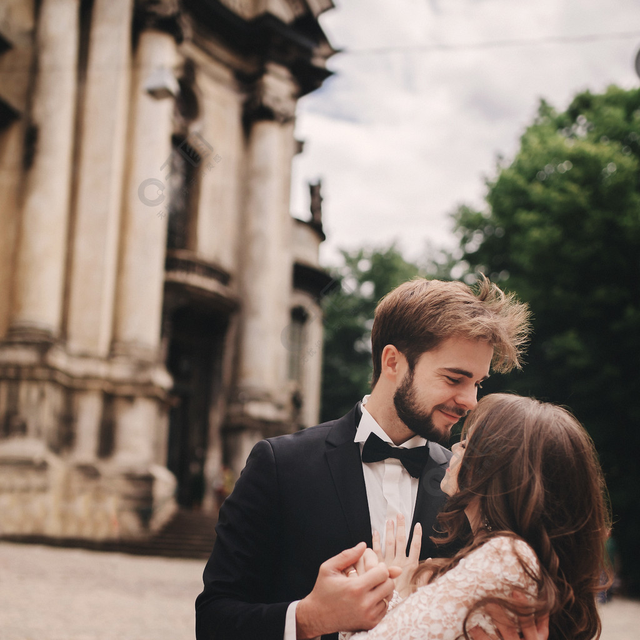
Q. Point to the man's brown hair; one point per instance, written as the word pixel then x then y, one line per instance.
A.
pixel 418 315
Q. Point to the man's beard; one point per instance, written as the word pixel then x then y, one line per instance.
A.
pixel 417 419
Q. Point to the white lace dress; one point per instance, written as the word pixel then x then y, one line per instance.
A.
pixel 437 611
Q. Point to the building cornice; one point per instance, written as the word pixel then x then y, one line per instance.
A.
pixel 312 280
pixel 301 46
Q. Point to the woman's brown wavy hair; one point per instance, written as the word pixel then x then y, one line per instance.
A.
pixel 535 472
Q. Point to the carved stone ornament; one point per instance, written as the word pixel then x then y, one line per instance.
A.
pixel 244 8
pixel 249 9
pixel 315 194
pixel 161 84
pixel 159 8
pixel 163 15
pixel 274 96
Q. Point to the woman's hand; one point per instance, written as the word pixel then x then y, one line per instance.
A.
pixel 395 552
pixel 528 627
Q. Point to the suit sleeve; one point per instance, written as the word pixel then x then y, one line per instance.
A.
pixel 235 602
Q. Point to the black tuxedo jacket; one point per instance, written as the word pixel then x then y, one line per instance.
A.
pixel 300 500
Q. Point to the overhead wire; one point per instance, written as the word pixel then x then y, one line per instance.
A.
pixel 494 44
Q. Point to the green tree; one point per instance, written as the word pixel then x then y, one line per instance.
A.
pixel 562 229
pixel 367 275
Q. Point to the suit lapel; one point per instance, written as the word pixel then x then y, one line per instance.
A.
pixel 345 464
pixel 430 498
pixel 343 458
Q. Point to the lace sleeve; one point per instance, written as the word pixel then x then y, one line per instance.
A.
pixel 437 611
pixel 395 600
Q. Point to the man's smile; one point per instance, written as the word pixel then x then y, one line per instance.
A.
pixel 451 413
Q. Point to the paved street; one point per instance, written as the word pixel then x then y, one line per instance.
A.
pixel 620 620
pixel 72 594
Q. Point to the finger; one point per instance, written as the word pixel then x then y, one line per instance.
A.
pixel 542 629
pixel 478 633
pixel 416 544
pixel 345 558
pixel 383 590
pixel 521 597
pixel 380 612
pixel 375 545
pixel 533 628
pixel 506 627
pixel 499 616
pixel 360 566
pixel 370 559
pixel 351 571
pixel 375 577
pixel 395 572
pixel 401 537
pixel 507 630
pixel 390 542
pixel 527 622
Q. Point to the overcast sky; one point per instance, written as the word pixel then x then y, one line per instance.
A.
pixel 401 138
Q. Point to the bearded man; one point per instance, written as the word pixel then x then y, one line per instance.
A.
pixel 278 567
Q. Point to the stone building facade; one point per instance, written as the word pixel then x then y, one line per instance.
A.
pixel 158 303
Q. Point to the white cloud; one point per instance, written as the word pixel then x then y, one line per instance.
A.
pixel 401 139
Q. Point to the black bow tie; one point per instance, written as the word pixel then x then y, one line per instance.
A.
pixel 413 460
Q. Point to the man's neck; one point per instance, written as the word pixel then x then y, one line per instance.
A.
pixel 383 411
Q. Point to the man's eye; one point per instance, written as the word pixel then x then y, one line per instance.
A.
pixel 453 380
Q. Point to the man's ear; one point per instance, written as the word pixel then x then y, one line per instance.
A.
pixel 393 363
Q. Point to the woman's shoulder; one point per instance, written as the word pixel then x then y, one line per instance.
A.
pixel 503 542
pixel 502 552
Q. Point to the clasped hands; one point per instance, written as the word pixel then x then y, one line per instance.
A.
pixel 353 590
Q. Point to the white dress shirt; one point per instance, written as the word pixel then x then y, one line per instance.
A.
pixel 390 490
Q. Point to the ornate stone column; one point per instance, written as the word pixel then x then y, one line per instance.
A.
pixel 94 251
pixel 14 91
pixel 100 175
pixel 144 226
pixel 10 170
pixel 140 284
pixel 266 261
pixel 267 264
pixel 40 268
pixel 312 363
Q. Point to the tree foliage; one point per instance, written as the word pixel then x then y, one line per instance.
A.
pixel 562 229
pixel 367 275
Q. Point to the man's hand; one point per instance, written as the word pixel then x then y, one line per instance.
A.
pixel 369 560
pixel 342 603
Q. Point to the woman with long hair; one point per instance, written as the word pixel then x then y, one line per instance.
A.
pixel 527 507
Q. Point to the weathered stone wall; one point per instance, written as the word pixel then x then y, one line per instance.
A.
pixel 145 165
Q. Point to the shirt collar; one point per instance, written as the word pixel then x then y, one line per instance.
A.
pixel 369 425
